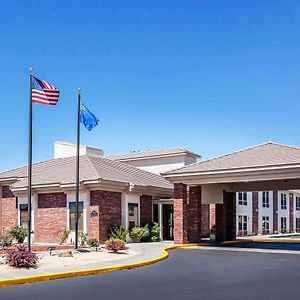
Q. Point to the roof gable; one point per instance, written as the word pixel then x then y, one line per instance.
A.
pixel 266 154
pixel 62 171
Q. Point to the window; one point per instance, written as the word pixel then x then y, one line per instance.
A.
pixel 283 201
pixel 23 215
pixel 242 225
pixel 297 224
pixel 242 198
pixel 155 213
pixel 72 215
pixel 283 224
pixel 297 203
pixel 265 224
pixel 133 215
pixel 265 199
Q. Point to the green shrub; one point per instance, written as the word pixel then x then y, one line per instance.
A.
pixel 83 238
pixel 93 243
pixel 154 233
pixel 6 240
pixel 19 233
pixel 139 232
pixel 118 232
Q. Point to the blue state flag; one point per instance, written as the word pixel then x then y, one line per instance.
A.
pixel 88 119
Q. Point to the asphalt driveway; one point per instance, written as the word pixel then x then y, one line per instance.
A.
pixel 187 274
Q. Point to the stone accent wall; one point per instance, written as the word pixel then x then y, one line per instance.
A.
pixel 275 211
pixel 255 212
pixel 180 213
pixel 108 206
pixel 8 211
pixel 51 217
pixel 205 220
pixel 291 214
pixel 145 209
pixel 194 214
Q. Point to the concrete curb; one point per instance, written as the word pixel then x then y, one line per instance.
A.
pixel 68 274
pixel 258 240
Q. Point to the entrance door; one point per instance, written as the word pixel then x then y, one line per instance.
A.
pixel 168 222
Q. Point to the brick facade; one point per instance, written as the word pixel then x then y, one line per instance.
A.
pixel 226 218
pixel 108 206
pixel 194 214
pixel 205 220
pixel 255 212
pixel 8 211
pixel 275 211
pixel 145 209
pixel 51 217
pixel 180 213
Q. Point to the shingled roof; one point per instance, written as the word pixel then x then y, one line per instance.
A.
pixel 263 155
pixel 152 154
pixel 62 171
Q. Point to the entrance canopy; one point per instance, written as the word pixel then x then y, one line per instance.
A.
pixel 269 166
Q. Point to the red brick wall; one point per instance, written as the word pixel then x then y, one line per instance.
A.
pixel 8 211
pixel 255 212
pixel 145 209
pixel 212 216
pixel 205 220
pixel 275 211
pixel 108 206
pixel 51 217
pixel 180 213
pixel 194 214
pixel 226 218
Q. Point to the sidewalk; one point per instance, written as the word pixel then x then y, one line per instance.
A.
pixel 81 261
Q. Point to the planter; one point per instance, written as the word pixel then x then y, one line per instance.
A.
pixel 132 240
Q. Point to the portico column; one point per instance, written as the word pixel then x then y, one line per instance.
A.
pixel 194 216
pixel 180 213
pixel 226 218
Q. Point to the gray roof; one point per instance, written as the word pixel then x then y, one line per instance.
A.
pixel 62 171
pixel 152 154
pixel 266 154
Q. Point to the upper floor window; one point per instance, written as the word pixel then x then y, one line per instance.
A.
pixel 265 199
pixel 242 198
pixel 283 201
pixel 297 203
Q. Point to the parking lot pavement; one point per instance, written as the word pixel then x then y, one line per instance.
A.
pixel 292 246
pixel 187 274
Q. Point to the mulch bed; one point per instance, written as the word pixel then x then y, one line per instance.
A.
pixel 39 248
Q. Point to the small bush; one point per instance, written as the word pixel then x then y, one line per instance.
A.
pixel 118 233
pixel 154 233
pixel 20 257
pixel 19 233
pixel 63 235
pixel 138 232
pixel 115 245
pixel 83 238
pixel 6 240
pixel 93 243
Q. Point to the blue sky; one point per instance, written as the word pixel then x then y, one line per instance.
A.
pixel 210 76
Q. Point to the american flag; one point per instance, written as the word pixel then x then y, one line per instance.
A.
pixel 44 92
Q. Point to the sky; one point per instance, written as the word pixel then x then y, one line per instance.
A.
pixel 210 76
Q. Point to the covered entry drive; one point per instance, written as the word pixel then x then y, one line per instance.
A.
pixel 266 167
